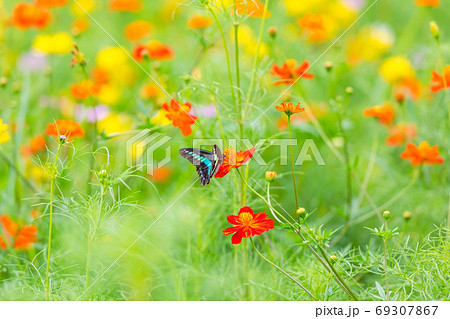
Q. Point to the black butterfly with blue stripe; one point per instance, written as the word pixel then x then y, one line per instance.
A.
pixel 207 163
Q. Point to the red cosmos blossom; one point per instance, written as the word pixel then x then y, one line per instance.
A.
pixel 401 133
pixel 422 154
pixel 84 90
pixel 68 128
pixel 385 113
pixel 179 115
pixel 15 237
pixel 247 224
pixel 233 160
pixel 51 3
pixel 155 50
pixel 440 82
pixel 289 108
pixel 27 16
pixel 289 72
pixel 126 5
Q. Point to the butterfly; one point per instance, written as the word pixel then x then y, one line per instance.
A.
pixel 207 163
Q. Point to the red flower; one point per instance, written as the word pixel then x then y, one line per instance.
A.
pixel 154 50
pixel 422 154
pixel 126 5
pixel 289 108
pixel 440 82
pixel 401 133
pixel 289 72
pixel 385 113
pixel 27 16
pixel 247 224
pixel 12 236
pixel 233 160
pixel 179 115
pixel 51 3
pixel 68 128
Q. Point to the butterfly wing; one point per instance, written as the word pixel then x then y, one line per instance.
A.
pixel 207 163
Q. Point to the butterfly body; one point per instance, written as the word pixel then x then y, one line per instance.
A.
pixel 207 163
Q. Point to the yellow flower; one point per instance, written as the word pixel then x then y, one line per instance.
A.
pixel 396 69
pixel 109 94
pixel 160 118
pixel 115 123
pixel 117 63
pixel 249 41
pixel 88 5
pixel 4 135
pixel 296 8
pixel 58 43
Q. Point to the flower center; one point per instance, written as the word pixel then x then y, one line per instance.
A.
pixel 245 218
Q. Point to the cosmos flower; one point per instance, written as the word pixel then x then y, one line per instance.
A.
pixel 385 113
pixel 115 123
pixel 4 134
pixel 84 90
pixel 440 82
pixel 37 144
pixel 19 238
pixel 247 224
pixel 314 25
pixel 126 5
pixel 428 3
pixel 58 43
pixel 422 154
pixel 289 72
pixel 179 115
pixel 154 50
pixel 397 68
pixel 92 115
pixel 80 26
pixel 199 22
pixel 138 30
pixel 288 108
pixel 51 3
pixel 26 16
pixel 408 87
pixel 233 160
pixel 150 91
pixel 401 133
pixel 251 8
pixel 68 128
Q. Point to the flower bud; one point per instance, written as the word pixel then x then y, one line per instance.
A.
pixel 333 259
pixel 3 81
pixel 434 29
pixel 407 215
pixel 328 66
pixel 272 32
pixel 270 176
pixel 62 139
pixel 387 215
pixel 301 212
pixel 349 90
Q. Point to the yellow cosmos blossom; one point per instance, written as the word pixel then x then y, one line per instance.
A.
pixel 115 123
pixel 58 43
pixel 249 41
pixel 109 94
pixel 160 118
pixel 117 63
pixel 396 69
pixel 296 7
pixel 88 5
pixel 4 135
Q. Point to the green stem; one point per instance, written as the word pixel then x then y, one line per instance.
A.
pixel 385 262
pixel 282 271
pixel 18 172
pixel 54 172
pixel 292 163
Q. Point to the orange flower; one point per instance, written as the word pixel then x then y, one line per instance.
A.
pixel 161 175
pixel 27 16
pixel 401 133
pixel 314 25
pixel 37 144
pixel 15 237
pixel 126 5
pixel 84 90
pixel 428 3
pixel 68 128
pixel 150 91
pixel 80 26
pixel 289 73
pixel 155 50
pixel 385 113
pixel 199 22
pixel 440 82
pixel 423 154
pixel 137 30
pixel 179 115
pixel 251 8
pixel 289 108
pixel 408 86
pixel 233 160
pixel 51 3
pixel 247 225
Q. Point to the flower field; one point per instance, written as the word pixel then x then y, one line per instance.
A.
pixel 224 150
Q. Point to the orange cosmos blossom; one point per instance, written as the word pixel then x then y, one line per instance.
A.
pixel 289 72
pixel 51 3
pixel 27 16
pixel 154 50
pixel 289 108
pixel 251 8
pixel 401 133
pixel 68 128
pixel 37 144
pixel 247 224
pixel 84 90
pixel 137 30
pixel 233 160
pixel 408 86
pixel 440 82
pixel 428 3
pixel 179 115
pixel 15 237
pixel 199 22
pixel 422 154
pixel 385 113
pixel 126 5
